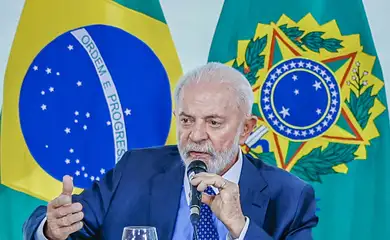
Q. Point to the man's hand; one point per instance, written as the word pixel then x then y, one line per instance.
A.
pixel 63 217
pixel 226 204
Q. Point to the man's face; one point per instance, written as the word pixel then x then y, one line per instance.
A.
pixel 209 125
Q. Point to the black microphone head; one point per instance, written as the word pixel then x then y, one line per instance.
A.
pixel 196 166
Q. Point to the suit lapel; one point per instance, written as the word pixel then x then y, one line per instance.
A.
pixel 165 192
pixel 254 200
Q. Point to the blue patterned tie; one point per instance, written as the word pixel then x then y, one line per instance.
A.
pixel 205 227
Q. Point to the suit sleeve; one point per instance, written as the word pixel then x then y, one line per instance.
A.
pixel 302 224
pixel 95 201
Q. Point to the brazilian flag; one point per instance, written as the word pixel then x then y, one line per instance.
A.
pixel 320 103
pixel 85 82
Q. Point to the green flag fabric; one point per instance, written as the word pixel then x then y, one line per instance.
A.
pixel 320 102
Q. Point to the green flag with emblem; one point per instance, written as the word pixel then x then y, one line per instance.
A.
pixel 320 103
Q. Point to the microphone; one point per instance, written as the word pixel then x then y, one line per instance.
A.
pixel 195 167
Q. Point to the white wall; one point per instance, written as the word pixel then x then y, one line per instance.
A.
pixel 193 37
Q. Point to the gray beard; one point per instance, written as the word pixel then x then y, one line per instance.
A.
pixel 219 160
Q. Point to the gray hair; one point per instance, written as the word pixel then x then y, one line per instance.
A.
pixel 214 71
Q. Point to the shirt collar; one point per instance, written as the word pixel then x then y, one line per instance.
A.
pixel 232 175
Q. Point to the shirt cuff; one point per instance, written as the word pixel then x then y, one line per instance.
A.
pixel 243 232
pixel 39 233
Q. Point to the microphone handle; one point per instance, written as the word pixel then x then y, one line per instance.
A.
pixel 196 200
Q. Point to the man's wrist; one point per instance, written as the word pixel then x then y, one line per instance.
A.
pixel 236 227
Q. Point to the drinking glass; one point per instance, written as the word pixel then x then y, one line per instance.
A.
pixel 139 233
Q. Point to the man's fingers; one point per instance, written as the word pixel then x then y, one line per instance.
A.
pixel 209 180
pixel 207 199
pixel 66 231
pixel 60 201
pixel 70 219
pixel 67 185
pixel 66 210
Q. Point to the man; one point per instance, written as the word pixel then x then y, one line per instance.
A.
pixel 243 198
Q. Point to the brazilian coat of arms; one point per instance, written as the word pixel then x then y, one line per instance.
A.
pixel 316 99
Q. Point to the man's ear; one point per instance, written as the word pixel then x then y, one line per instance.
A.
pixel 249 125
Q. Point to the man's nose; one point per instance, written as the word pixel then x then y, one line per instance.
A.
pixel 199 133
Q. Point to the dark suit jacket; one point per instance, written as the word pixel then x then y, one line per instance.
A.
pixel 145 187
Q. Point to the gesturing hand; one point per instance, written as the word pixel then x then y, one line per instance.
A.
pixel 226 204
pixel 63 216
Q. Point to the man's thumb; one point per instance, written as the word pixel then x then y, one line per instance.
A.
pixel 67 185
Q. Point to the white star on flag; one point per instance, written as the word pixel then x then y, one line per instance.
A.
pixel 285 112
pixel 70 47
pixel 296 91
pixel 51 89
pixel 318 111
pixel 58 73
pixel 67 130
pixel 48 70
pixel 108 123
pixel 79 83
pixel 87 115
pixel 127 112
pixel 77 161
pixel 308 65
pixel 71 150
pixel 43 92
pixel 67 161
pixel 317 85
pixel 77 173
pixel 76 113
pixel 102 171
pixel 285 67
pixel 295 77
pixel 300 64
pixel 317 68
pixel 278 71
pixel 35 68
pixel 44 107
pixel 85 127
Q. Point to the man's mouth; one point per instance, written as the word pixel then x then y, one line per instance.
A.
pixel 196 154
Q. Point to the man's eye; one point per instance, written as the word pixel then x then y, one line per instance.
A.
pixel 185 120
pixel 215 123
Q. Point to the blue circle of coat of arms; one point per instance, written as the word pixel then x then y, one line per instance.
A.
pixel 88 96
pixel 300 99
